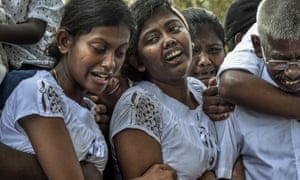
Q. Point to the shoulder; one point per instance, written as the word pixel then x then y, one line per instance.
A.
pixel 137 108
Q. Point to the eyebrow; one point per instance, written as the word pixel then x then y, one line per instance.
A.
pixel 167 23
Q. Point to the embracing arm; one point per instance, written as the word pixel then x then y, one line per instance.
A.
pixel 139 156
pixel 19 165
pixel 248 90
pixel 25 33
pixel 53 147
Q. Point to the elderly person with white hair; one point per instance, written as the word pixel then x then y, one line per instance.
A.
pixel 269 144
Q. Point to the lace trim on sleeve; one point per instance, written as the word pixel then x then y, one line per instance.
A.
pixel 147 114
pixel 51 100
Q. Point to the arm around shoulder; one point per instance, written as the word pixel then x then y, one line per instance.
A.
pixel 243 88
pixel 19 165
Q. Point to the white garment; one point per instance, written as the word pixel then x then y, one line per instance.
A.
pixel 28 98
pixel 243 56
pixel 19 11
pixel 187 136
pixel 3 58
pixel 3 69
pixel 269 145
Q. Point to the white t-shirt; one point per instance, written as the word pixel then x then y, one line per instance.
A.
pixel 243 56
pixel 28 98
pixel 187 136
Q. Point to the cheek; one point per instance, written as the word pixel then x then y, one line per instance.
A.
pixel 150 54
pixel 119 64
pixel 275 75
pixel 193 64
pixel 218 59
pixel 186 41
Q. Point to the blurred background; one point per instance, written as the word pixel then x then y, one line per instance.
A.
pixel 218 7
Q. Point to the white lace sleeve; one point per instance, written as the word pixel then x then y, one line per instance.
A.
pixel 36 96
pixel 136 110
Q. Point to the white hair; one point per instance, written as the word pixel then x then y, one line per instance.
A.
pixel 279 19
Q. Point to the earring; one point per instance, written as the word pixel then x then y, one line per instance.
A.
pixel 193 45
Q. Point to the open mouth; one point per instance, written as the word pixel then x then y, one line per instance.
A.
pixel 103 77
pixel 290 82
pixel 204 74
pixel 173 55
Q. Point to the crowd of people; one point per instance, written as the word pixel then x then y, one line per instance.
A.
pixel 99 89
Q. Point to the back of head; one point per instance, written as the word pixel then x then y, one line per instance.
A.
pixel 239 17
pixel 81 16
pixel 279 19
pixel 198 17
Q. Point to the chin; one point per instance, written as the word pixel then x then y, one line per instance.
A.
pixel 290 90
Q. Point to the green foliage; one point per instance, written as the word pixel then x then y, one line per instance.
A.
pixel 218 7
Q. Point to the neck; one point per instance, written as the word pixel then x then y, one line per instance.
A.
pixel 67 83
pixel 179 92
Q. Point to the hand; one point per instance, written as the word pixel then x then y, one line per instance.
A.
pixel 208 175
pixel 90 172
pixel 215 106
pixel 159 171
pixel 102 116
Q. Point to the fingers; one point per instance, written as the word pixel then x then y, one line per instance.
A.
pixel 101 113
pixel 215 107
pixel 164 167
pixel 211 91
pixel 218 112
pixel 94 98
pixel 212 82
pixel 213 100
pixel 167 170
pixel 102 118
pixel 218 117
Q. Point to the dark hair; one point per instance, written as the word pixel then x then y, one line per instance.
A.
pixel 239 17
pixel 142 10
pixel 81 16
pixel 198 17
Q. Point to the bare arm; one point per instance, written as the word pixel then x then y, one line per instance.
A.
pixel 53 147
pixel 25 33
pixel 247 90
pixel 137 152
pixel 19 165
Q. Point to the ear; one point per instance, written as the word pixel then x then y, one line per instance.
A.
pixel 238 37
pixel 257 46
pixel 64 41
pixel 137 63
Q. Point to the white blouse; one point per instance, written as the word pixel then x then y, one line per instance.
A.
pixel 187 136
pixel 41 95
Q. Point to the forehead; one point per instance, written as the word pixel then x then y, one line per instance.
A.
pixel 206 32
pixel 283 46
pixel 160 18
pixel 118 34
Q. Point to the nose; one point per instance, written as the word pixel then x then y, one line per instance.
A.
pixel 292 71
pixel 169 42
pixel 203 60
pixel 109 62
